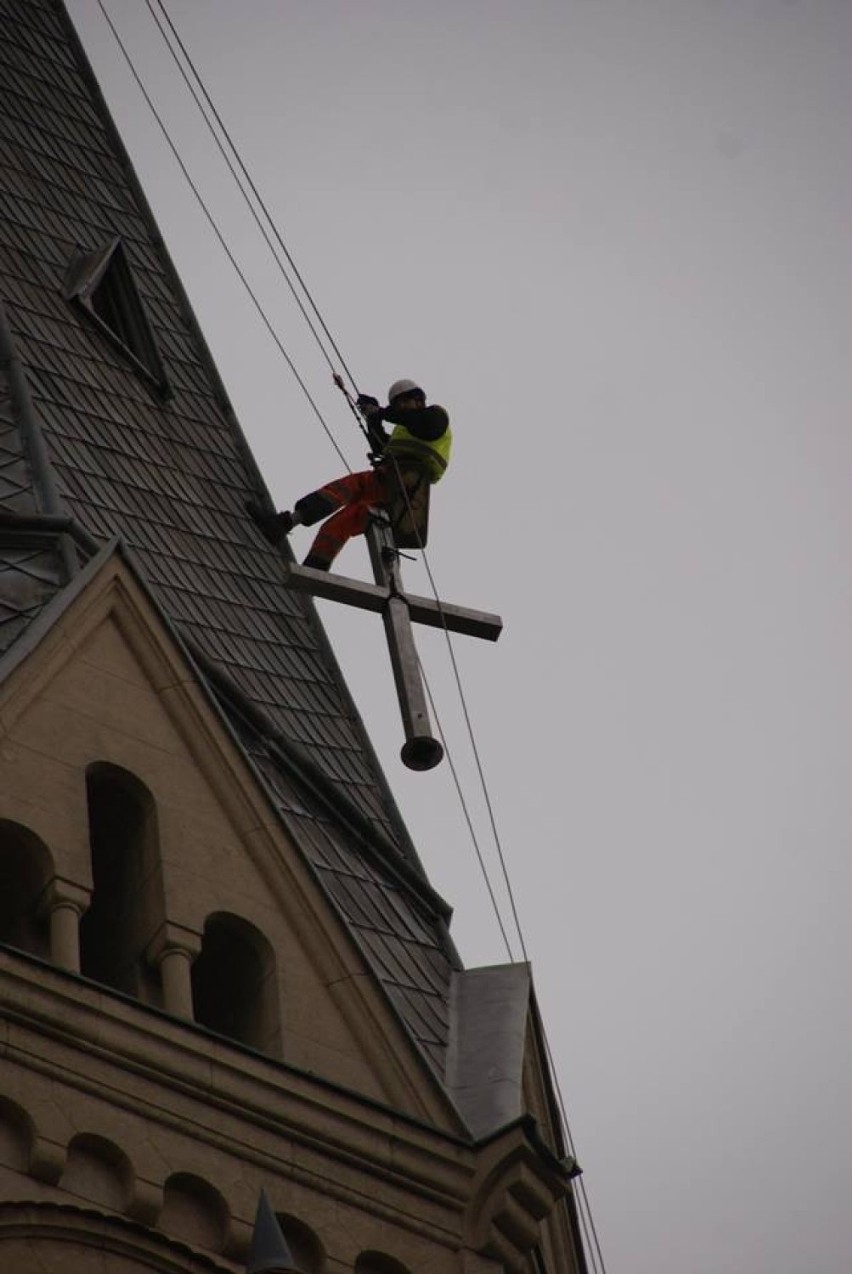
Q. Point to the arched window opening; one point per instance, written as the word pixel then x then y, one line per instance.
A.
pixel 194 1211
pixel 127 906
pixel 305 1248
pixel 379 1263
pixel 17 1136
pixel 97 1170
pixel 25 870
pixel 233 984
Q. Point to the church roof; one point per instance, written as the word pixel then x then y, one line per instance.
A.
pixel 113 422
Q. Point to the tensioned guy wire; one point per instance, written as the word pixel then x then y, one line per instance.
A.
pixel 463 701
pixel 584 1212
pixel 254 190
pixel 593 1244
pixel 244 175
pixel 465 811
pixel 242 277
pixel 218 233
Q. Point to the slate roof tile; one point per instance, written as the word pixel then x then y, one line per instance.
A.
pixel 11 155
pixel 402 967
pixel 40 22
pixel 419 1010
pixel 415 974
pixel 407 922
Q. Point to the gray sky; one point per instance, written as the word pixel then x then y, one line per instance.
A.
pixel 612 237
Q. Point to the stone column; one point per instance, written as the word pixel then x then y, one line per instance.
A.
pixel 172 953
pixel 175 964
pixel 63 903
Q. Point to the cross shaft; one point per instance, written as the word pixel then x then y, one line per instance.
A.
pixel 421 750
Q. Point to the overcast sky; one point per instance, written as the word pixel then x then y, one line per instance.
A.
pixel 613 238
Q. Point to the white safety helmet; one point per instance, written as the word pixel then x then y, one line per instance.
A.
pixel 403 387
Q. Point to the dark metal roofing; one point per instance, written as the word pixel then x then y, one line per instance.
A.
pixel 89 438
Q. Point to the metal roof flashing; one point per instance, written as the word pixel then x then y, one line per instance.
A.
pixel 52 612
pixel 488 1017
pixel 36 491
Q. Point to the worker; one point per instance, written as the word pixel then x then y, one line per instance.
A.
pixel 414 454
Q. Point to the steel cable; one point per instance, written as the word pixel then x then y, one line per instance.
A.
pixel 594 1247
pixel 254 190
pixel 584 1212
pixel 218 233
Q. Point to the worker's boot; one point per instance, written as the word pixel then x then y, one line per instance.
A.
pixel 317 563
pixel 275 527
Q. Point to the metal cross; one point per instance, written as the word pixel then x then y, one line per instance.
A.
pixel 421 751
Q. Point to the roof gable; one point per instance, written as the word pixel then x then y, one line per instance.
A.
pixel 100 678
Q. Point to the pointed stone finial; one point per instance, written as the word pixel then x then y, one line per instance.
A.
pixel 269 1253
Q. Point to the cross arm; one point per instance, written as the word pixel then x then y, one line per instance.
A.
pixel 375 597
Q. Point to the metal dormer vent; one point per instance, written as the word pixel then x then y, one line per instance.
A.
pixel 102 286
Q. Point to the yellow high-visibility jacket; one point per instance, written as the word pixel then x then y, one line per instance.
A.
pixel 424 437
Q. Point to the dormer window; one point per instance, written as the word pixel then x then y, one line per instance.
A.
pixel 102 285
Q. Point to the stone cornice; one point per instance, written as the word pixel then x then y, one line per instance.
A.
pixel 283 1122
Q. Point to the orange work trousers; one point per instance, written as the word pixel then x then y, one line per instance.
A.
pixel 352 496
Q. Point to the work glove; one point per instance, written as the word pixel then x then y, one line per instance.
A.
pixel 369 407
